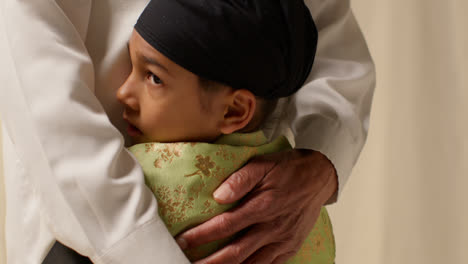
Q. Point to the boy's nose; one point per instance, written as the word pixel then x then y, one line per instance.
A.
pixel 127 95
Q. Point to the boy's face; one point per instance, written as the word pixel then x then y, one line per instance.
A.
pixel 164 102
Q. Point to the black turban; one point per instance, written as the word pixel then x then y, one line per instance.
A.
pixel 265 46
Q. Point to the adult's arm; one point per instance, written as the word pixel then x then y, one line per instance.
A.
pixel 330 114
pixel 91 190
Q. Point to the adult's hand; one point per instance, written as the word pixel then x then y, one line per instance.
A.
pixel 284 193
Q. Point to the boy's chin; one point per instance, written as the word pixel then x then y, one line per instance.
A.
pixel 134 140
pixel 139 140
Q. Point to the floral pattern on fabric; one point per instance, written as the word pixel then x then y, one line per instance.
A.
pixel 183 177
pixel 173 204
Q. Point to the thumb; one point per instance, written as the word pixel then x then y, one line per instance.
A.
pixel 242 181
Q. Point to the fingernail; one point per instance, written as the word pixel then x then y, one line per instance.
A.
pixel 223 193
pixel 182 243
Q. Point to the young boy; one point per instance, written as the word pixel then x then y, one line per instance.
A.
pixel 205 75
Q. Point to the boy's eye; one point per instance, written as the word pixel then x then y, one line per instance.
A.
pixel 155 79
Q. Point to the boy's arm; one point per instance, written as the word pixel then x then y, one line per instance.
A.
pixel 330 114
pixel 91 191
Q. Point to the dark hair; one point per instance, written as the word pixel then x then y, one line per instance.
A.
pixel 264 106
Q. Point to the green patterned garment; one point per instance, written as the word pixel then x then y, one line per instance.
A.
pixel 183 177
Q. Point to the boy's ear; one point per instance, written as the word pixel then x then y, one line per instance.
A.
pixel 239 111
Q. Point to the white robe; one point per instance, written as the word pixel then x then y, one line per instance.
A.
pixel 67 174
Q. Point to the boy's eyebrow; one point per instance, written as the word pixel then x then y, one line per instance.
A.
pixel 149 60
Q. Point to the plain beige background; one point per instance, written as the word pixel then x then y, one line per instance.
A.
pixel 2 204
pixel 406 200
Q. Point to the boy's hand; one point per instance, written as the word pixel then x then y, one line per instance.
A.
pixel 284 193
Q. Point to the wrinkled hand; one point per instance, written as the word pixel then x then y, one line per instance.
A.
pixel 284 193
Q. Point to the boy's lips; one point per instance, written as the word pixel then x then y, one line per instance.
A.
pixel 133 131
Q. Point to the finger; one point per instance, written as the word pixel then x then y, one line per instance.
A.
pixel 242 181
pixel 241 249
pixel 283 258
pixel 254 210
pixel 265 255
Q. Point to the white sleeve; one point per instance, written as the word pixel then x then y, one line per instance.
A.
pixel 330 113
pixel 91 190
